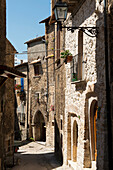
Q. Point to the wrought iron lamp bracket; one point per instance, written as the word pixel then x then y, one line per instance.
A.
pixel 90 31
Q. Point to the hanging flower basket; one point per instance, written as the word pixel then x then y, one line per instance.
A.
pixel 17 86
pixel 69 58
pixel 67 55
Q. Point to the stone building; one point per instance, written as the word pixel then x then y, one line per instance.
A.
pixel 7 74
pixel 83 133
pixel 40 124
pixel 21 103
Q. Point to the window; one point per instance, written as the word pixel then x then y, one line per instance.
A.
pixel 37 69
pixel 80 55
pixel 77 62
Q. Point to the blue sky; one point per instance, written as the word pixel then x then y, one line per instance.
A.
pixel 23 17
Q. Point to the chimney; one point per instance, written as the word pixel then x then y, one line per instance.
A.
pixel 21 61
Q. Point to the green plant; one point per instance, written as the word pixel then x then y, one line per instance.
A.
pixel 31 139
pixel 74 77
pixel 79 117
pixel 65 54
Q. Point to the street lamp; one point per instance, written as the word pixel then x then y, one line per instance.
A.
pixel 60 10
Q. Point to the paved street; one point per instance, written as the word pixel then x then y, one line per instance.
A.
pixel 36 156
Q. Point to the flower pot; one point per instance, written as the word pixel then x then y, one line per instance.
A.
pixel 69 58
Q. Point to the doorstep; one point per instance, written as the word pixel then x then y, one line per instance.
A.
pixel 73 165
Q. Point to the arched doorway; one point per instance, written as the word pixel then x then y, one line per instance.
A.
pixel 39 127
pixel 93 117
pixel 69 138
pixel 75 140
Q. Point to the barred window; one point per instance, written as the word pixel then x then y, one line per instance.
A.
pixel 77 62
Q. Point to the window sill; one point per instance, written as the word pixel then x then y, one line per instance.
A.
pixel 80 85
pixel 78 82
pixel 36 76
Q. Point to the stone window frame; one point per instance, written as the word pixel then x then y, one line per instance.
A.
pixel 37 69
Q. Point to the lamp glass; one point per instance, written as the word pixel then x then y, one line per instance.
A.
pixel 60 12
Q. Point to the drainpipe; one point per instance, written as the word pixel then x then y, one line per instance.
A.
pixel 47 75
pixel 108 107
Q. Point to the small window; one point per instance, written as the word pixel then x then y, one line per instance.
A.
pixel 37 69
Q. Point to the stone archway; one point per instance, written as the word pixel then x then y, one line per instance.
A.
pixel 39 127
pixel 75 140
pixel 93 130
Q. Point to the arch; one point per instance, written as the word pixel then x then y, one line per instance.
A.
pixel 75 140
pixel 39 127
pixel 93 117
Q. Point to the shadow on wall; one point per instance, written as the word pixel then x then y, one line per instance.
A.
pixel 17 132
pixel 58 143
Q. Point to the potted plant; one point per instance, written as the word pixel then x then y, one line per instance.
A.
pixel 74 77
pixel 66 54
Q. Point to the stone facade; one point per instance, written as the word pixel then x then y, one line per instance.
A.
pixel 9 107
pixel 39 124
pixel 2 59
pixel 81 129
pixel 21 115
pixel 7 111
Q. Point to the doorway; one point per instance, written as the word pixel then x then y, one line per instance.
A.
pixel 39 127
pixel 93 117
pixel 75 140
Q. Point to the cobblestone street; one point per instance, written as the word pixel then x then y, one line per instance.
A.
pixel 36 156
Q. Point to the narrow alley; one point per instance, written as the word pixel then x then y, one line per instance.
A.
pixel 36 156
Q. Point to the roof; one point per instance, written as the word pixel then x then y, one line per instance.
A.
pixel 45 20
pixel 51 19
pixel 35 39
pixel 35 61
pixel 10 72
pixel 11 44
pixel 21 65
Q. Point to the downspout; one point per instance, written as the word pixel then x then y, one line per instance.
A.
pixel 47 79
pixel 108 107
pixel 27 99
pixel 47 76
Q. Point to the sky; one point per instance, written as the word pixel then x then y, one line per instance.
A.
pixel 22 21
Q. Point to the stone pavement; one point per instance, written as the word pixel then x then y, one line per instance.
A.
pixel 37 156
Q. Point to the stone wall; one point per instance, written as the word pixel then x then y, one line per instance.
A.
pixel 2 59
pixel 9 106
pixel 50 38
pixel 79 94
pixel 38 84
